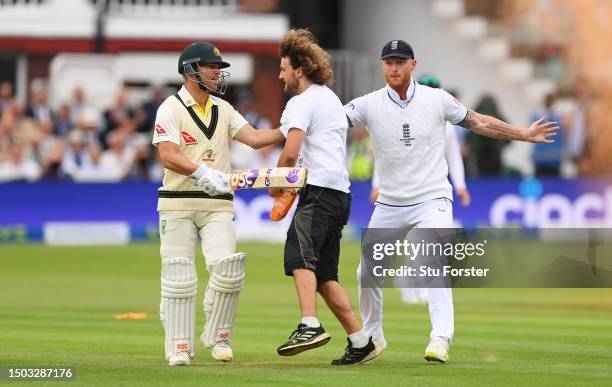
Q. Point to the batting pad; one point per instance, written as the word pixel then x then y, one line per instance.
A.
pixel 221 299
pixel 179 287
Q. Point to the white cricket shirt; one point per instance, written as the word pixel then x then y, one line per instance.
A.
pixel 408 138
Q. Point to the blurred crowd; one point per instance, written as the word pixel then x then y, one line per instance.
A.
pixel 79 142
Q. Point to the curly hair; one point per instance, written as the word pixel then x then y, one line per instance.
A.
pixel 302 50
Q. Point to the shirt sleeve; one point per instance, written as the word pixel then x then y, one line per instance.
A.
pixel 453 158
pixel 236 123
pixel 296 115
pixel 166 126
pixel 454 111
pixel 357 111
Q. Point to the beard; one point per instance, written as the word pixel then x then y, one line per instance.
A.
pixel 398 82
pixel 291 86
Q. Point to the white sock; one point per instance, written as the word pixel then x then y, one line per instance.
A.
pixel 311 322
pixel 359 339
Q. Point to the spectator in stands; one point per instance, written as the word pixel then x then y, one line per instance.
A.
pixel 145 116
pixel 119 114
pixel 63 120
pixel 17 127
pixel 96 169
pixel 139 144
pixel 88 123
pixel 547 159
pixel 18 166
pixel 80 104
pixel 76 154
pixel 486 150
pixel 118 157
pixel 6 95
pixel 39 109
pixel 47 150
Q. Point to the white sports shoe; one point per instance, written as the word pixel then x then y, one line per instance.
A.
pixel 179 358
pixel 222 352
pixel 437 350
pixel 380 346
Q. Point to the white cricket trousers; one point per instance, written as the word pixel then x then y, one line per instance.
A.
pixel 436 213
pixel 179 235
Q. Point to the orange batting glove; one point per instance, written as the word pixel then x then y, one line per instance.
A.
pixel 282 204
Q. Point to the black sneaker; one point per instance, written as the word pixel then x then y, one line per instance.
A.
pixel 354 356
pixel 302 339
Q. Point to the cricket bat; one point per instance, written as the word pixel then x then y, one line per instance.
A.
pixel 264 178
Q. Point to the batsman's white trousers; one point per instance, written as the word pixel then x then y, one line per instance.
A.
pixel 436 213
pixel 179 231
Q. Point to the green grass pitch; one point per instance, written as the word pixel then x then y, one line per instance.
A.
pixel 56 307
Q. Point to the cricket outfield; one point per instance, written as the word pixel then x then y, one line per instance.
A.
pixel 57 306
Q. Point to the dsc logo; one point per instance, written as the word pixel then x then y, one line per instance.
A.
pixel 224 335
pixel 182 347
pixel 533 209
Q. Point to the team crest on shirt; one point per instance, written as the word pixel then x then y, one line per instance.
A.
pixel 209 155
pixel 188 138
pixel 406 137
pixel 160 131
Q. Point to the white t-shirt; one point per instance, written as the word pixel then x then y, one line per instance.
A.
pixel 408 138
pixel 319 113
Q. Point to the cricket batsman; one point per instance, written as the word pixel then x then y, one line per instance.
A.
pixel 192 131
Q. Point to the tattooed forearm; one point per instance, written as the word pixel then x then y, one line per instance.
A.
pixel 503 131
pixel 491 127
pixel 469 122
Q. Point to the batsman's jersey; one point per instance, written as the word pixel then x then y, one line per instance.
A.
pixel 203 136
pixel 408 138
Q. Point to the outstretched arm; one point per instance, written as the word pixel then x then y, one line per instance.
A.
pixel 258 138
pixel 492 127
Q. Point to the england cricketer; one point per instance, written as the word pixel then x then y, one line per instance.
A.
pixel 406 122
pixel 191 134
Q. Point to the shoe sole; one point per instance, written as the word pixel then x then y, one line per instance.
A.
pixel 430 356
pixel 299 348
pixel 224 360
pixel 181 362
pixel 371 356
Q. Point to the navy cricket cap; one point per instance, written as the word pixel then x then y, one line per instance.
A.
pixel 397 48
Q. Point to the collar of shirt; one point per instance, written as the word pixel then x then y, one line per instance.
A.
pixel 185 95
pixel 396 98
